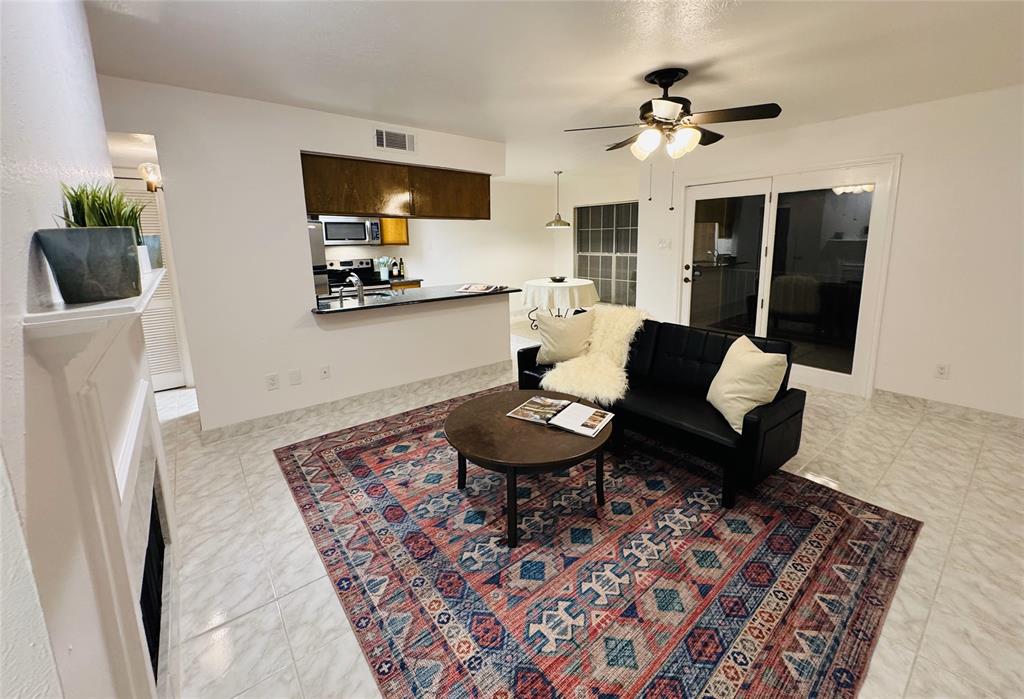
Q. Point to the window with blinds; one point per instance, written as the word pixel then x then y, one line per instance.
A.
pixel 159 322
pixel 606 240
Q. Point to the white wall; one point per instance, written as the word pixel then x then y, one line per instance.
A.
pixel 587 189
pixel 954 285
pixel 235 206
pixel 26 660
pixel 52 131
pixel 510 248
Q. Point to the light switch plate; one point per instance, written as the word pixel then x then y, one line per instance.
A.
pixel 295 377
pixel 273 382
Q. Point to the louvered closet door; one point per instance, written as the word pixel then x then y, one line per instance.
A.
pixel 159 322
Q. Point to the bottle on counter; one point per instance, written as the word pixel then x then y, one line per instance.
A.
pixel 401 267
pixel 394 269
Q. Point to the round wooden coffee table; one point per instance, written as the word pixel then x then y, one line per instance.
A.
pixel 481 431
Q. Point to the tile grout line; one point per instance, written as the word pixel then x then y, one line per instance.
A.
pixel 942 572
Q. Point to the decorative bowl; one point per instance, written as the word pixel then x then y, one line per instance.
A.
pixel 557 279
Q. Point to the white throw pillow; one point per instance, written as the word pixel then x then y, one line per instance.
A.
pixel 563 338
pixel 747 378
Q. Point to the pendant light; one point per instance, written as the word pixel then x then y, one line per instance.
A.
pixel 557 222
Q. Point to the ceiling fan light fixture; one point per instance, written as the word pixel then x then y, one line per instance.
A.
pixel 638 152
pixel 666 110
pixel 682 141
pixel 649 139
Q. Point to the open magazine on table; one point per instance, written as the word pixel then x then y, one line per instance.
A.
pixel 480 288
pixel 563 414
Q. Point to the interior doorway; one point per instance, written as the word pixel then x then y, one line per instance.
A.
pixel 799 257
pixel 166 347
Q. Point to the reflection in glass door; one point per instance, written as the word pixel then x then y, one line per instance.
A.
pixel 800 257
pixel 818 256
pixel 722 265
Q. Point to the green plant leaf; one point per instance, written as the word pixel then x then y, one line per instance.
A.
pixel 101 205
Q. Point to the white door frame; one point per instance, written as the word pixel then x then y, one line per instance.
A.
pixel 719 190
pixel 884 173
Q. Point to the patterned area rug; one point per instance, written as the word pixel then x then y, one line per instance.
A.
pixel 661 594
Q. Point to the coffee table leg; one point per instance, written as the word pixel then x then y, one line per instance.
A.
pixel 512 525
pixel 599 458
pixel 462 471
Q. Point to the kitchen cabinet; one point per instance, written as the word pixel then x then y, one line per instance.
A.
pixel 352 187
pixel 349 187
pixel 440 193
pixel 394 231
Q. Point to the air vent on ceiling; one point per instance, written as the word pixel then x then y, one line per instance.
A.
pixel 396 140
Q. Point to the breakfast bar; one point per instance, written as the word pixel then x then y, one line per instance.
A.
pixel 402 297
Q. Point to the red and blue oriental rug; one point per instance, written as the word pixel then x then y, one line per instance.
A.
pixel 661 594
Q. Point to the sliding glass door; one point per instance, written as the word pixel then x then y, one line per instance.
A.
pixel 798 257
pixel 726 227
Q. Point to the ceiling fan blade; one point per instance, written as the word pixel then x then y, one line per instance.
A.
pixel 623 144
pixel 707 136
pixel 754 111
pixel 595 128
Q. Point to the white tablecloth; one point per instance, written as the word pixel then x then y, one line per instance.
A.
pixel 572 293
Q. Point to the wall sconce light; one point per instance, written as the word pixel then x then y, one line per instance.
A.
pixel 150 173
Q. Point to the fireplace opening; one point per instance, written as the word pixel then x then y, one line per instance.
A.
pixel 151 598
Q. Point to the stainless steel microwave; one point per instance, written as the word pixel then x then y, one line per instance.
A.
pixel 349 230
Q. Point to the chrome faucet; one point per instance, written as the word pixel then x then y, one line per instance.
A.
pixel 354 279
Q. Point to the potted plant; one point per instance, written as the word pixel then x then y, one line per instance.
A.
pixel 97 256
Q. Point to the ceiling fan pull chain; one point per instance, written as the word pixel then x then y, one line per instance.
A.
pixel 650 185
pixel 672 193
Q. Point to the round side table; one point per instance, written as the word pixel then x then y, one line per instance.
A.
pixel 558 298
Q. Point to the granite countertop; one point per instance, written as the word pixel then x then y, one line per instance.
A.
pixel 405 297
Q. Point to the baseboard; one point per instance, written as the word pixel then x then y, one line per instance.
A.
pixel 950 410
pixel 267 422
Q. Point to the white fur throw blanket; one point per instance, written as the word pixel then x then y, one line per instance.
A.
pixel 600 374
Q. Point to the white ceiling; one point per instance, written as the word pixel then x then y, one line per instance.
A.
pixel 522 72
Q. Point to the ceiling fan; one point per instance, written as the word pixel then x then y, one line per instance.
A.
pixel 670 118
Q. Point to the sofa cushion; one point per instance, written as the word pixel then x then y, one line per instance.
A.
pixel 641 351
pixel 747 378
pixel 689 358
pixel 563 338
pixel 683 411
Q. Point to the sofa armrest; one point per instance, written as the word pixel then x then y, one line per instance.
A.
pixel 771 433
pixel 526 361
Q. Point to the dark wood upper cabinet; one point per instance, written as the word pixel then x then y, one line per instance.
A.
pixel 347 186
pixel 440 193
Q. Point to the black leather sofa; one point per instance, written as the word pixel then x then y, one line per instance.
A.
pixel 670 368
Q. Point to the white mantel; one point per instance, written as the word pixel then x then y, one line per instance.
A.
pixel 95 455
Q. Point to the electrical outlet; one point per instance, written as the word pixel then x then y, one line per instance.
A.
pixel 664 243
pixel 295 377
pixel 273 382
pixel 942 371
pixel 325 372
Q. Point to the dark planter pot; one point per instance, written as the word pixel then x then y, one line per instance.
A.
pixel 92 264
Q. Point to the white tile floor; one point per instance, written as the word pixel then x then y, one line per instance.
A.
pixel 260 619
